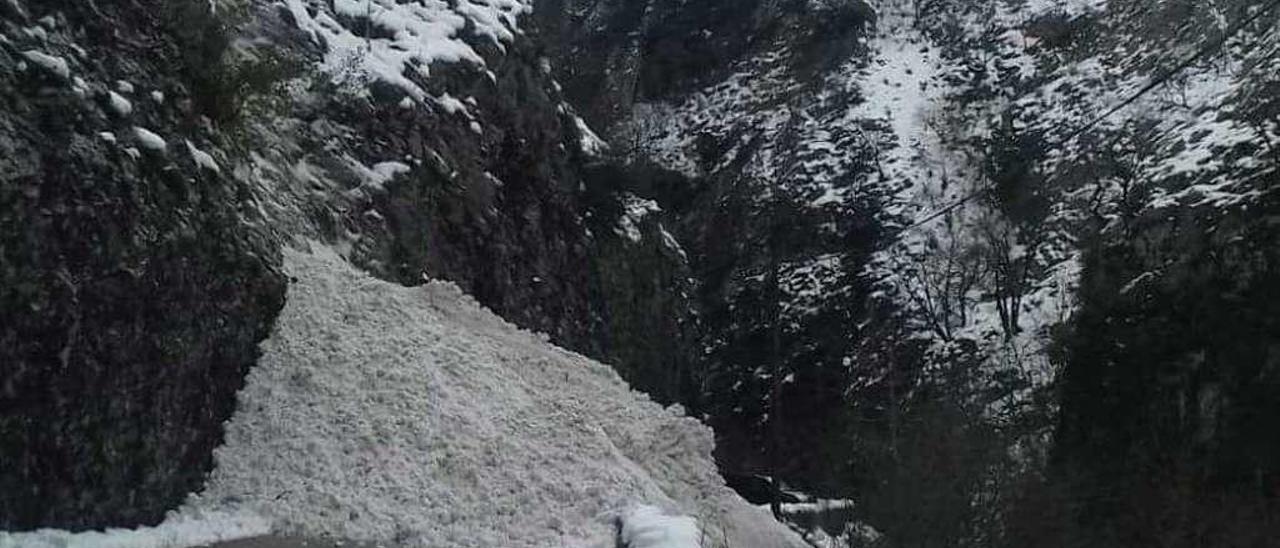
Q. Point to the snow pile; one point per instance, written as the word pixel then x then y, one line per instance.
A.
pixel 414 416
pixel 396 40
pixel 648 527
pixel 179 530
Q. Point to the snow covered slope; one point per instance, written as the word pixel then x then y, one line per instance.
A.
pixel 414 416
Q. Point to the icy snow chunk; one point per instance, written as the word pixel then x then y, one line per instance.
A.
pixel 202 158
pixel 178 530
pixel 119 105
pixel 649 527
pixel 149 140
pixel 124 87
pixel 107 136
pixel 157 96
pixel 56 65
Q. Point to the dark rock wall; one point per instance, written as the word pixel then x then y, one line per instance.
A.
pixel 497 212
pixel 132 297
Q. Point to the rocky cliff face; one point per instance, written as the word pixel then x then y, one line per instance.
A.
pixel 132 295
pixel 724 112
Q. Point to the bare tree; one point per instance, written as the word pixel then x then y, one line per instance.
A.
pixel 1010 256
pixel 940 282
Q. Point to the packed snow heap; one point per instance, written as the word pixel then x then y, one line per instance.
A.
pixel 380 412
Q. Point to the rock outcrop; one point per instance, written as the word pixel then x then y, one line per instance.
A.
pixel 132 294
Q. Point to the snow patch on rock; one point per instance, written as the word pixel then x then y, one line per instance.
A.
pixel 408 36
pixel 149 139
pixel 55 65
pixel 202 158
pixel 589 142
pixel 119 105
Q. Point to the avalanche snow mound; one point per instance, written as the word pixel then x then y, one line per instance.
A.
pixel 414 416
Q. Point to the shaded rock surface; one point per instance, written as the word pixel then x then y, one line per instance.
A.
pixel 132 297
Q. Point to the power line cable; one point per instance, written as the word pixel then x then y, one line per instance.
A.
pixel 1210 48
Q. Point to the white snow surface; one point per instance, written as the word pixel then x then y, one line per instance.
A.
pixel 192 528
pixel 414 416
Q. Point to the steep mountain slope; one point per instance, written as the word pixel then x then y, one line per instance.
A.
pixel 160 153
pixel 727 115
pixel 890 236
